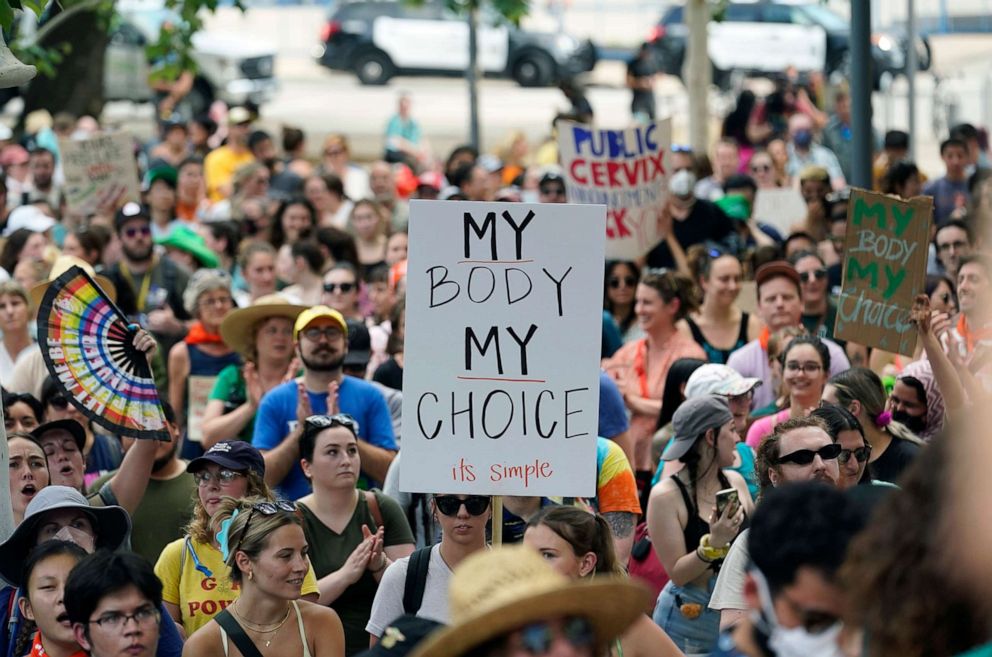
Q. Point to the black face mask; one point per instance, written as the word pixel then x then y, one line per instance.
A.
pixel 917 424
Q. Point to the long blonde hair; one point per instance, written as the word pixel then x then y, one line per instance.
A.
pixel 250 539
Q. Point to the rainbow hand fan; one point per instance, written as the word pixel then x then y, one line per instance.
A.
pixel 87 346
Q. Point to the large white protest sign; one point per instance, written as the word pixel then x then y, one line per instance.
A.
pixel 624 170
pixel 782 208
pixel 502 348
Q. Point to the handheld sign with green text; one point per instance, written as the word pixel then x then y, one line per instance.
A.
pixel 99 170
pixel 885 266
pixel 502 348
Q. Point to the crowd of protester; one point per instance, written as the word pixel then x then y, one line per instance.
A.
pixel 778 490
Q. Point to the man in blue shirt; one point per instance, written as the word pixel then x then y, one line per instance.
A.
pixel 321 344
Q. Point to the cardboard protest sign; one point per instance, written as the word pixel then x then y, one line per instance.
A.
pixel 781 208
pixel 98 170
pixel 623 170
pixel 885 266
pixel 502 348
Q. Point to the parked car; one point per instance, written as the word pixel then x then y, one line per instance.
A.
pixel 380 39
pixel 765 37
pixel 229 68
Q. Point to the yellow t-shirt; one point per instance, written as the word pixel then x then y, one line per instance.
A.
pixel 198 596
pixel 219 167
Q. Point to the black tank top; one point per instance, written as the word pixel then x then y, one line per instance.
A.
pixel 714 355
pixel 695 528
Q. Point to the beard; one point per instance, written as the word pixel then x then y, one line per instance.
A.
pixel 915 423
pixel 137 255
pixel 332 365
pixel 161 463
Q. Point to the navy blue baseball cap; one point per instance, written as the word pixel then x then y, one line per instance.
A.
pixel 232 454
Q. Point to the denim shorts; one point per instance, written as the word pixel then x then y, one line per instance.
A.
pixel 693 636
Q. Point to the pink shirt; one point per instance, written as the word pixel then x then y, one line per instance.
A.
pixel 763 427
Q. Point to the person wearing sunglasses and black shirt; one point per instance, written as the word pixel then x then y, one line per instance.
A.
pixel 341 290
pixel 463 520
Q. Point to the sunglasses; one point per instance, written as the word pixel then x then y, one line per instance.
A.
pixel 449 505
pixel 321 422
pixel 334 287
pixel 553 191
pixel 806 456
pixel 223 477
pixel 860 454
pixel 266 509
pixel 815 275
pixel 134 231
pixel 537 638
pixel 764 168
pixel 629 281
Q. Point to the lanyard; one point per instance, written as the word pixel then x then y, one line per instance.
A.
pixel 146 283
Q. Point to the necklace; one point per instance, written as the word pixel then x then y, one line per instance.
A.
pixel 257 628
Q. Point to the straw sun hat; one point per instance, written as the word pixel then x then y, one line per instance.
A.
pixel 62 264
pixel 237 329
pixel 493 593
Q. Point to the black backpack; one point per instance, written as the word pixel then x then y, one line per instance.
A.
pixel 416 580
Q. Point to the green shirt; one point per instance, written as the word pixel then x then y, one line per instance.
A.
pixel 164 511
pixel 329 551
pixel 230 389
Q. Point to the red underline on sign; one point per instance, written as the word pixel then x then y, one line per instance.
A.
pixel 495 378
pixel 494 262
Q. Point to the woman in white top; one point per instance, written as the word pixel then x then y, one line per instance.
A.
pixel 14 317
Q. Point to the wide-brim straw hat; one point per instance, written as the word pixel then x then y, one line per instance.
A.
pixel 62 264
pixel 238 327
pixel 493 593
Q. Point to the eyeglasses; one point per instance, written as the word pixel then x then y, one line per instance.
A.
pixel 947 246
pixel 537 638
pixel 860 454
pixel 331 152
pixel 115 620
pixel 815 275
pixel 321 422
pixel 223 477
pixel 334 287
pixel 266 509
pixel 315 333
pixel 217 301
pixel 449 505
pixel 805 368
pixel 134 231
pixel 806 456
pixel 629 281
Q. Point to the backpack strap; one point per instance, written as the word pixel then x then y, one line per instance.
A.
pixel 373 503
pixel 416 580
pixel 237 634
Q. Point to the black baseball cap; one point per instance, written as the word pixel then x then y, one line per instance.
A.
pixel 359 345
pixel 233 454
pixel 74 428
pixel 129 212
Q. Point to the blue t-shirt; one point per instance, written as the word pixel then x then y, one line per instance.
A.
pixel 276 419
pixel 612 412
pixel 944 193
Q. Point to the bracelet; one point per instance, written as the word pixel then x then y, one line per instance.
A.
pixel 711 553
pixel 701 555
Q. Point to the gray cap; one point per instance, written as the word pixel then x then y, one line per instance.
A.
pixel 112 526
pixel 694 418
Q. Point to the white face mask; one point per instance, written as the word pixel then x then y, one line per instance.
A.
pixel 795 641
pixel 681 183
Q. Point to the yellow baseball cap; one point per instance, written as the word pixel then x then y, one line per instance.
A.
pixel 310 314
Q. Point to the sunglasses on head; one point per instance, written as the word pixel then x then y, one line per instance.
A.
pixel 334 287
pixel 449 505
pixel 629 281
pixel 806 456
pixel 681 148
pixel 321 422
pixel 860 454
pixel 266 509
pixel 537 638
pixel 815 275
